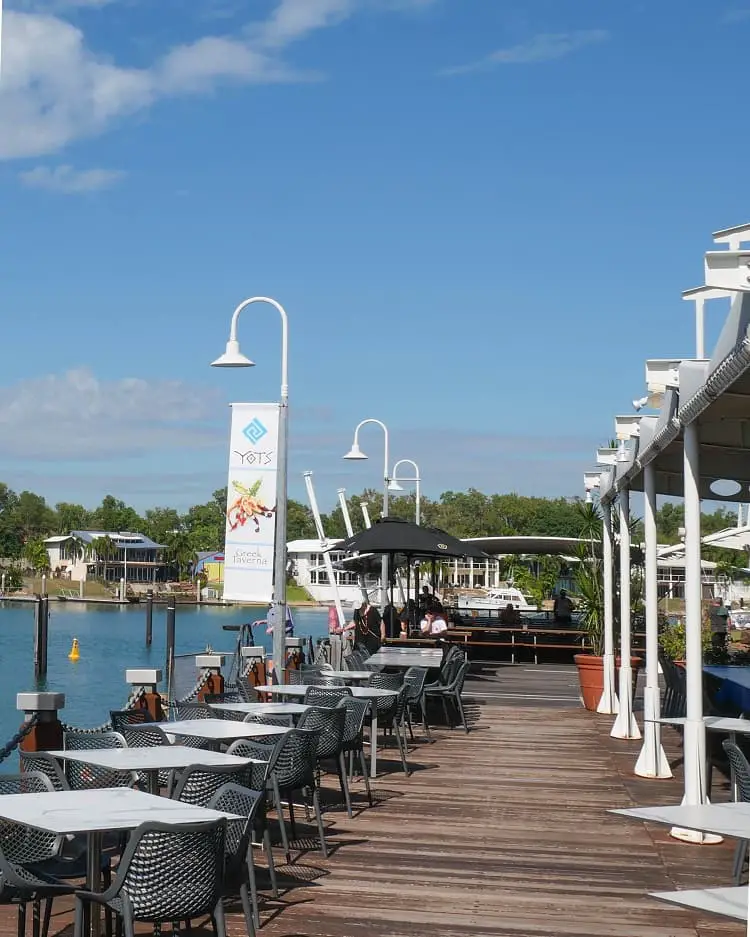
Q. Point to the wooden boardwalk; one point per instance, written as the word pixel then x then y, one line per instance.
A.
pixel 503 832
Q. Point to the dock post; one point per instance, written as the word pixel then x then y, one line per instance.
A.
pixel 214 679
pixel 41 626
pixel 47 732
pixel 149 617
pixel 150 699
pixel 171 614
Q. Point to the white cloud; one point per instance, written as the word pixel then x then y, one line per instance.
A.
pixel 56 89
pixel 70 181
pixel 545 47
pixel 75 416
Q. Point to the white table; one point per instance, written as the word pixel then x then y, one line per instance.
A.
pixel 215 730
pixel 150 760
pixel 733 820
pixel 292 710
pixel 358 692
pixel 94 812
pixel 406 657
pixel 349 676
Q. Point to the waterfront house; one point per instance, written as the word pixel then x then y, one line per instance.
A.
pixel 109 555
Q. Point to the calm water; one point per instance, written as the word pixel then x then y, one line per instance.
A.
pixel 112 639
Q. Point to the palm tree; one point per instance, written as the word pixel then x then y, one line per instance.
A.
pixel 180 552
pixel 589 576
pixel 104 549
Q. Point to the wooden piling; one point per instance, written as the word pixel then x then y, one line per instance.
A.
pixel 149 617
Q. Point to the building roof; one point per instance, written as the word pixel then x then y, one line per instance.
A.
pixel 121 538
pixel 309 546
pixel 58 539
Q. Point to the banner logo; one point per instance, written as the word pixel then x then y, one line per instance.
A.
pixel 254 431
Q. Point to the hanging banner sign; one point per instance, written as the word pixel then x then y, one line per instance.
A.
pixel 251 502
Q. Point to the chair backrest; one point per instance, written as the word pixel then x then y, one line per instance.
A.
pixel 386 681
pixel 197 784
pixel 246 690
pixel 256 773
pixel 173 873
pixel 228 696
pixel 267 720
pixel 194 711
pixel 356 713
pixel 18 842
pixel 296 677
pixel 740 769
pixel 325 696
pixel 83 777
pixel 47 765
pixel 150 736
pixel 294 759
pixel 329 724
pixel 128 717
pixel 242 802
pixel 414 680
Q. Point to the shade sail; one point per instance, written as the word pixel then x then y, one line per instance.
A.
pixel 393 535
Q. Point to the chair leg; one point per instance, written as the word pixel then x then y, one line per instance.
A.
pixel 740 855
pixel 48 917
pixel 282 823
pixel 363 766
pixel 253 887
pixel 271 863
pixel 425 723
pixel 319 818
pixel 127 921
pixel 36 917
pixel 408 722
pixel 448 721
pixel 460 706
pixel 344 783
pixel 21 920
pixel 292 822
pixel 247 910
pixel 219 920
pixel 401 748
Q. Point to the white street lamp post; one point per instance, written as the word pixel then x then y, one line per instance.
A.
pixel 233 358
pixel 356 454
pixel 394 485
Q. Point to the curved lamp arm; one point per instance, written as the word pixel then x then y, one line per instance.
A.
pixel 284 337
pixel 406 462
pixel 385 432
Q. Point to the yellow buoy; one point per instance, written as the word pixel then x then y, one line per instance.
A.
pixel 74 651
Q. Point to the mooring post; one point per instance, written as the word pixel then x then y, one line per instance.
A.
pixel 41 616
pixel 212 663
pixel 47 732
pixel 171 614
pixel 149 617
pixel 150 700
pixel 45 636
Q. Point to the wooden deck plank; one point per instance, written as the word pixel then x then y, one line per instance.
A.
pixel 503 833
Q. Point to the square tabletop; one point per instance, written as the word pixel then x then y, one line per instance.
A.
pixel 406 658
pixel 299 689
pixel 100 810
pixel 731 724
pixel 159 757
pixel 727 819
pixel 215 730
pixel 349 674
pixel 263 709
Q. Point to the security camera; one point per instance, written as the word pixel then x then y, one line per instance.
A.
pixel 640 403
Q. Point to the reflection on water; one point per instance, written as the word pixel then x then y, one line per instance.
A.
pixel 112 639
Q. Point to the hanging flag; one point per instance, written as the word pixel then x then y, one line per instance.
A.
pixel 251 502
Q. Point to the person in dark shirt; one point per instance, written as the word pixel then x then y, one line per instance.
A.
pixel 367 622
pixel 390 626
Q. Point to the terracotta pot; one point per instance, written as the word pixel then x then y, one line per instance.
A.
pixel 591 677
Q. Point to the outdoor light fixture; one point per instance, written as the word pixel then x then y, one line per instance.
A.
pixel 233 357
pixel 699 295
pixel 640 403
pixel 626 427
pixel 728 270
pixel 393 485
pixel 355 454
pixel 591 480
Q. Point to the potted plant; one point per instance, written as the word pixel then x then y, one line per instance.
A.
pixel 589 583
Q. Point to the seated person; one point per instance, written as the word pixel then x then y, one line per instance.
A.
pixel 433 622
pixel 562 610
pixel 510 615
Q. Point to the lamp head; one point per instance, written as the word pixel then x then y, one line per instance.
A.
pixel 355 453
pixel 393 485
pixel 232 357
pixel 588 499
pixel 640 403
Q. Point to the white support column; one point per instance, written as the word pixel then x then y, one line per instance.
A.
pixel 652 762
pixel 609 703
pixel 694 736
pixel 625 726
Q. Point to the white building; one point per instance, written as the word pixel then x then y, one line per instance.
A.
pixel 308 569
pixel 131 556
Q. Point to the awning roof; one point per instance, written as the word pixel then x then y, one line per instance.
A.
pixel 500 546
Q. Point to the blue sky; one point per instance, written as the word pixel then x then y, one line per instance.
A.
pixel 478 214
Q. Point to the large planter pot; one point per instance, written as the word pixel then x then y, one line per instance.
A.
pixel 591 677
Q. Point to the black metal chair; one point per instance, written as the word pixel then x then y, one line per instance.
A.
pixel 197 784
pixel 741 776
pixel 353 741
pixel 239 867
pixel 414 681
pixel 194 710
pixel 167 873
pixel 82 776
pixel 391 710
pixel 329 725
pixel 325 695
pixel 451 691
pixel 123 718
pixel 47 765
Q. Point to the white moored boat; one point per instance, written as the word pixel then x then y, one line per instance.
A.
pixel 496 600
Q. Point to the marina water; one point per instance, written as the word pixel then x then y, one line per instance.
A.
pixel 112 639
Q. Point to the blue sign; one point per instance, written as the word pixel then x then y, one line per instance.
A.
pixel 254 431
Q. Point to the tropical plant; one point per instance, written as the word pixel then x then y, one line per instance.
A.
pixel 588 577
pixel 105 549
pixel 12 577
pixel 35 554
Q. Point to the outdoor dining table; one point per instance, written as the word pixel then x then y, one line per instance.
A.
pixel 358 692
pixel 735 688
pixel 97 811
pixel 725 819
pixel 150 760
pixel 406 657
pixel 214 730
pixel 349 676
pixel 292 710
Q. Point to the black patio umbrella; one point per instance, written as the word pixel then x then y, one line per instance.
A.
pixel 392 535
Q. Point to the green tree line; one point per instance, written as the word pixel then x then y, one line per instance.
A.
pixel 27 517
